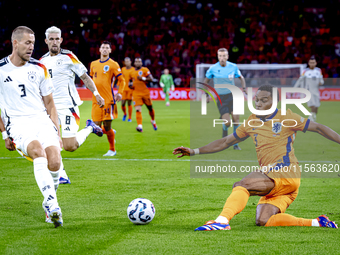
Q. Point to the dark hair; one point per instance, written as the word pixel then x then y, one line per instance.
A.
pixel 106 42
pixel 312 58
pixel 269 88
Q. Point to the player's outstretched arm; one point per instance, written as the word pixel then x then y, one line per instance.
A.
pixel 215 146
pixel 324 131
pixel 88 82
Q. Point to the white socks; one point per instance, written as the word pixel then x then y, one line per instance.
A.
pixel 44 180
pixel 83 134
pixel 315 223
pixel 221 219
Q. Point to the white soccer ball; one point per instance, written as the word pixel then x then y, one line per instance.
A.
pixel 141 211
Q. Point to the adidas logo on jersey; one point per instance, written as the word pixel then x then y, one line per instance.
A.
pixel 67 129
pixel 8 79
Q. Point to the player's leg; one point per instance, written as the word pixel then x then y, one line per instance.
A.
pixel 255 183
pixel 225 126
pixel 235 126
pixel 138 102
pixel 110 133
pixel 123 105
pixel 148 104
pixel 129 102
pixel 167 99
pixel 270 212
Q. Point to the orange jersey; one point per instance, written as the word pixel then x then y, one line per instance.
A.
pixel 104 74
pixel 126 74
pixel 140 86
pixel 274 139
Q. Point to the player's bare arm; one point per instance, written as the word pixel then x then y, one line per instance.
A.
pixel 52 112
pixel 88 82
pixel 324 131
pixel 243 83
pixel 206 80
pixel 149 78
pixel 215 146
pixel 121 85
pixel 8 142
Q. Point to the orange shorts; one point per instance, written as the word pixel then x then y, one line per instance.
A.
pixel 141 99
pixel 108 112
pixel 285 190
pixel 127 95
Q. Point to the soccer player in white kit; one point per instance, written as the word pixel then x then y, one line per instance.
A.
pixel 62 66
pixel 311 79
pixel 32 120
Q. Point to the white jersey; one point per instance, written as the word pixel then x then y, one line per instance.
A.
pixel 311 79
pixel 22 88
pixel 62 68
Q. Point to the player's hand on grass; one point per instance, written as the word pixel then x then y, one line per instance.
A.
pixel 184 151
pixel 100 101
pixel 118 97
pixel 9 144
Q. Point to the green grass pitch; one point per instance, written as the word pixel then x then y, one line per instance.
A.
pixel 94 205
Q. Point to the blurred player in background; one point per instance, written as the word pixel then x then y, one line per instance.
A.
pixel 62 66
pixel 278 180
pixel 224 72
pixel 141 94
pixel 32 125
pixel 167 82
pixel 311 79
pixel 106 73
pixel 127 93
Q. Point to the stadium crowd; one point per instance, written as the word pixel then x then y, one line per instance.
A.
pixel 180 34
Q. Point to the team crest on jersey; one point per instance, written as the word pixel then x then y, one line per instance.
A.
pixel 59 62
pixel 277 127
pixel 106 68
pixel 32 76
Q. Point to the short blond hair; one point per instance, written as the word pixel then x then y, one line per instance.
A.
pixel 222 49
pixel 51 30
pixel 19 31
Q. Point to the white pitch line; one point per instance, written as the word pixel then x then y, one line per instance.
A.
pixel 170 160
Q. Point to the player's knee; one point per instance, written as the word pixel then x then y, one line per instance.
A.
pixel 37 152
pixel 54 164
pixel 261 222
pixel 243 183
pixel 70 147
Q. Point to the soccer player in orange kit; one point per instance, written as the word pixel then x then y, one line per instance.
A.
pixel 141 93
pixel 106 73
pixel 127 93
pixel 278 180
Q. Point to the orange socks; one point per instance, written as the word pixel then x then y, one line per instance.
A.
pixel 139 118
pixel 283 219
pixel 130 111
pixel 111 138
pixel 235 203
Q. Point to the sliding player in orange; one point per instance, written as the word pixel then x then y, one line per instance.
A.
pixel 278 180
pixel 141 93
pixel 127 93
pixel 106 73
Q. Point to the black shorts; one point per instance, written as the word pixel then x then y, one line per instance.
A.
pixel 227 104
